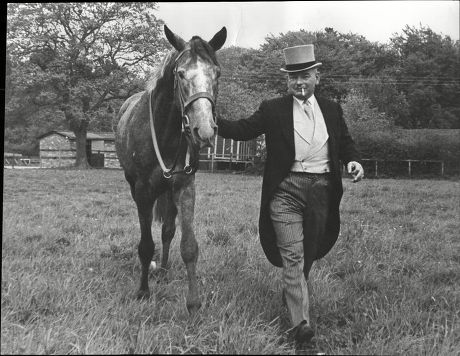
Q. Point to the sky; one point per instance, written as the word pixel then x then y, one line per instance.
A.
pixel 248 23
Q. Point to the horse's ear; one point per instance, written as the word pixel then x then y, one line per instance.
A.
pixel 219 39
pixel 177 42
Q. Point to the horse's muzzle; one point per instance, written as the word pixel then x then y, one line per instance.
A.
pixel 205 137
pixel 206 143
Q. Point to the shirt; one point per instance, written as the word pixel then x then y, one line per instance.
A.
pixel 313 156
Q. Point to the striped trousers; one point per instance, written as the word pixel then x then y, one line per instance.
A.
pixel 299 205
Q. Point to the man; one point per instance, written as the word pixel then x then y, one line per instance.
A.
pixel 306 138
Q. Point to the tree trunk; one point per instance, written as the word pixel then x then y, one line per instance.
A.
pixel 78 124
pixel 80 139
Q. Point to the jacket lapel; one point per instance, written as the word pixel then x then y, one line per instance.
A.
pixel 286 118
pixel 326 115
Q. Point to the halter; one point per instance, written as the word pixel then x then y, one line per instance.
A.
pixel 184 104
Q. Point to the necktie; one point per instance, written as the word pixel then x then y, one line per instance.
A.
pixel 311 117
pixel 308 110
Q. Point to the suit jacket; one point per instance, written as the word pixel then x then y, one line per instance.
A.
pixel 274 118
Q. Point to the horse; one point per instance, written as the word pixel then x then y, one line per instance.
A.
pixel 158 137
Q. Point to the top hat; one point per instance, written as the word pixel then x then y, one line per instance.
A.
pixel 299 58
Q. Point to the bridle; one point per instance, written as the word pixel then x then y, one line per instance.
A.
pixel 191 157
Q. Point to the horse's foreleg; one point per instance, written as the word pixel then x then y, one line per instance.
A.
pixel 146 247
pixel 185 202
pixel 168 229
pixel 132 185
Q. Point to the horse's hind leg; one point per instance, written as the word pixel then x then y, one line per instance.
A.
pixel 169 227
pixel 184 199
pixel 144 201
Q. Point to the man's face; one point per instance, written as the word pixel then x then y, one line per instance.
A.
pixel 306 80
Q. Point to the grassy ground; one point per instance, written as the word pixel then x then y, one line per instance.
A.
pixel 70 271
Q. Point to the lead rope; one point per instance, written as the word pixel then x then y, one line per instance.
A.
pixel 167 173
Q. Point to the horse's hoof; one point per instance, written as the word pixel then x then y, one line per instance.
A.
pixel 143 294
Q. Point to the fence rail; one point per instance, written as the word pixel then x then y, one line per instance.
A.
pixel 212 160
pixel 19 161
pixel 409 162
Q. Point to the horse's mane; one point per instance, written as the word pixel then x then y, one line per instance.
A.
pixel 160 71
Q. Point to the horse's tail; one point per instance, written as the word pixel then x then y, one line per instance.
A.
pixel 164 205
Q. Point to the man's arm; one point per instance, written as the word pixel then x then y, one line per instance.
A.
pixel 244 129
pixel 348 152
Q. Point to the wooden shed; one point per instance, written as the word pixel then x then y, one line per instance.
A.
pixel 58 149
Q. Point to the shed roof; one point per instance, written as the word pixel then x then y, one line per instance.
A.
pixel 106 136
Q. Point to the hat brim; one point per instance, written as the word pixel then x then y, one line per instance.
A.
pixel 301 69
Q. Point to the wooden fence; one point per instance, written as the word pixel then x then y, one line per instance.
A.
pixel 232 161
pixel 378 167
pixel 19 161
pixel 228 161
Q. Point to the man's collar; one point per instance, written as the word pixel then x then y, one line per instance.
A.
pixel 311 99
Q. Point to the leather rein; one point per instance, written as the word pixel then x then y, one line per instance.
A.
pixel 191 163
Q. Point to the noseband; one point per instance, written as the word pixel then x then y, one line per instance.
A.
pixel 189 168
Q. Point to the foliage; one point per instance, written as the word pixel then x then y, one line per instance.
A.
pixel 415 79
pixel 368 126
pixel 362 116
pixel 72 66
pixel 342 55
pixel 77 59
pixel 239 95
pixel 435 144
pixel 377 136
pixel 383 94
pixel 429 73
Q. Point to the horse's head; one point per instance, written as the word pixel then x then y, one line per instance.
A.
pixel 196 73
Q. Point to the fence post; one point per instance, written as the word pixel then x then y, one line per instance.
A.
pixel 409 162
pixel 376 168
pixel 442 168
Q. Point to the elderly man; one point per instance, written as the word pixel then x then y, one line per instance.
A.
pixel 306 139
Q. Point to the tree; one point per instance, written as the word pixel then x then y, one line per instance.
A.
pixel 343 56
pixel 384 94
pixel 77 58
pixel 428 70
pixel 240 95
pixel 372 130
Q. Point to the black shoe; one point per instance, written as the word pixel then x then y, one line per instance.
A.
pixel 303 333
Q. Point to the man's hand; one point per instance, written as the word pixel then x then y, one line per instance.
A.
pixel 356 170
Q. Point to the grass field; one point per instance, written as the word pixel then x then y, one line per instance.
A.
pixel 70 271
